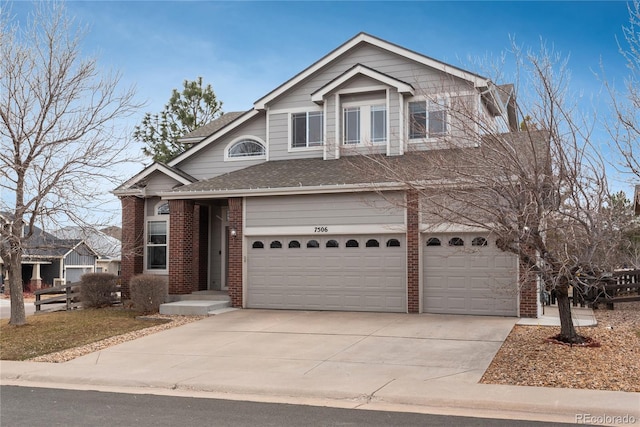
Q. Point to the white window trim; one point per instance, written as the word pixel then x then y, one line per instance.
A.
pixel 145 257
pixel 365 123
pixel 290 147
pixel 245 158
pixel 441 100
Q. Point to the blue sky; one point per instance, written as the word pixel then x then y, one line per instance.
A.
pixel 245 49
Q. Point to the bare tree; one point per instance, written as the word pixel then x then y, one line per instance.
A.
pixel 625 129
pixel 59 143
pixel 540 191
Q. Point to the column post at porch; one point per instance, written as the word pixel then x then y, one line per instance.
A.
pixel 132 258
pixel 235 266
pixel 181 234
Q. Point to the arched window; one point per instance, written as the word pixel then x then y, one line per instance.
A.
pixel 372 243
pixel 433 241
pixel 276 244
pixel 479 241
pixel 258 245
pixel 352 243
pixel 332 244
pixel 294 244
pixel 456 241
pixel 246 148
pixel 163 209
pixel 313 244
pixel 393 243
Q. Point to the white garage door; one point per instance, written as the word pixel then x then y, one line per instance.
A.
pixel 468 274
pixel 344 273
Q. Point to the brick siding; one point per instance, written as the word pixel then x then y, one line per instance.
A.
pixel 181 259
pixel 413 250
pixel 235 252
pixel 132 240
pixel 528 293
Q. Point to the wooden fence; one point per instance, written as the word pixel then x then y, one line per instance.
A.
pixel 68 294
pixel 621 286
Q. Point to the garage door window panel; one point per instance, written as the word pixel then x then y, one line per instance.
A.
pixel 332 244
pixel 456 241
pixel 313 244
pixel 393 243
pixel 351 243
pixel 479 241
pixel 257 245
pixel 433 241
pixel 294 244
pixel 372 243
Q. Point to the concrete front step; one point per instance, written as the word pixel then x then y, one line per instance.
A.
pixel 193 308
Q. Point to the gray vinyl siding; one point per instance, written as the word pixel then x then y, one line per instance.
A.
pixel 279 139
pixel 160 182
pixel 394 132
pixel 423 79
pixel 209 162
pixel 326 209
pixel 80 256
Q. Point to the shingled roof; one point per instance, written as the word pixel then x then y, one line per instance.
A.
pixel 213 126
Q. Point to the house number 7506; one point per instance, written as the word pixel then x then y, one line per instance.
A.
pixel 321 230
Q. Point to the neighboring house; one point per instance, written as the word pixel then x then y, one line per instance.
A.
pixel 48 260
pixel 268 205
pixel 106 247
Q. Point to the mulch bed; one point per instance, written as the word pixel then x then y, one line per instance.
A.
pixel 528 357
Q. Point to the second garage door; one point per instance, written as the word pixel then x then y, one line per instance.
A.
pixel 468 274
pixel 344 273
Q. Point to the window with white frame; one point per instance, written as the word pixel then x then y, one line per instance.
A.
pixel 246 148
pixel 307 129
pixel 365 124
pixel 157 245
pixel 428 119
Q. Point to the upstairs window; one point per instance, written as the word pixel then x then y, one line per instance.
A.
pixel 246 148
pixel 307 129
pixel 428 119
pixel 365 124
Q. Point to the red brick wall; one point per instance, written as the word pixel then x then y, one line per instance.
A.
pixel 413 259
pixel 528 293
pixel 181 257
pixel 235 252
pixel 132 240
pixel 200 245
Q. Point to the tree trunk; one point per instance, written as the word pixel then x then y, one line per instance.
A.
pixel 18 316
pixel 568 332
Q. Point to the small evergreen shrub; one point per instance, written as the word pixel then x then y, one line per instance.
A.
pixel 98 290
pixel 147 292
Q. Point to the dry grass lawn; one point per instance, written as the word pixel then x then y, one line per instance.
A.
pixel 53 332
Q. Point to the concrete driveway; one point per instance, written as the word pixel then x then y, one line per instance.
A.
pixel 332 354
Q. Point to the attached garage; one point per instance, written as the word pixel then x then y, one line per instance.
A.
pixel 342 273
pixel 467 274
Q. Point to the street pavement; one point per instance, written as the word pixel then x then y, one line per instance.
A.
pixel 380 361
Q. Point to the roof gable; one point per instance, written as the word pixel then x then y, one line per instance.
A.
pixel 478 81
pixel 356 70
pixel 135 184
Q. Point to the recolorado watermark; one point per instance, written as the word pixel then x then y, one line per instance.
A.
pixel 605 419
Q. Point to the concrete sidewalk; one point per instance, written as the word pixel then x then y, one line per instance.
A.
pixel 418 363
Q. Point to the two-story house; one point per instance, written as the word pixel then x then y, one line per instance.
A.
pixel 268 204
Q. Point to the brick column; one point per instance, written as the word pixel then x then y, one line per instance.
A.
pixel 528 292
pixel 200 247
pixel 413 252
pixel 132 241
pixel 181 247
pixel 235 252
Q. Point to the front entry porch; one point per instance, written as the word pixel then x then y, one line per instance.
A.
pixel 199 303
